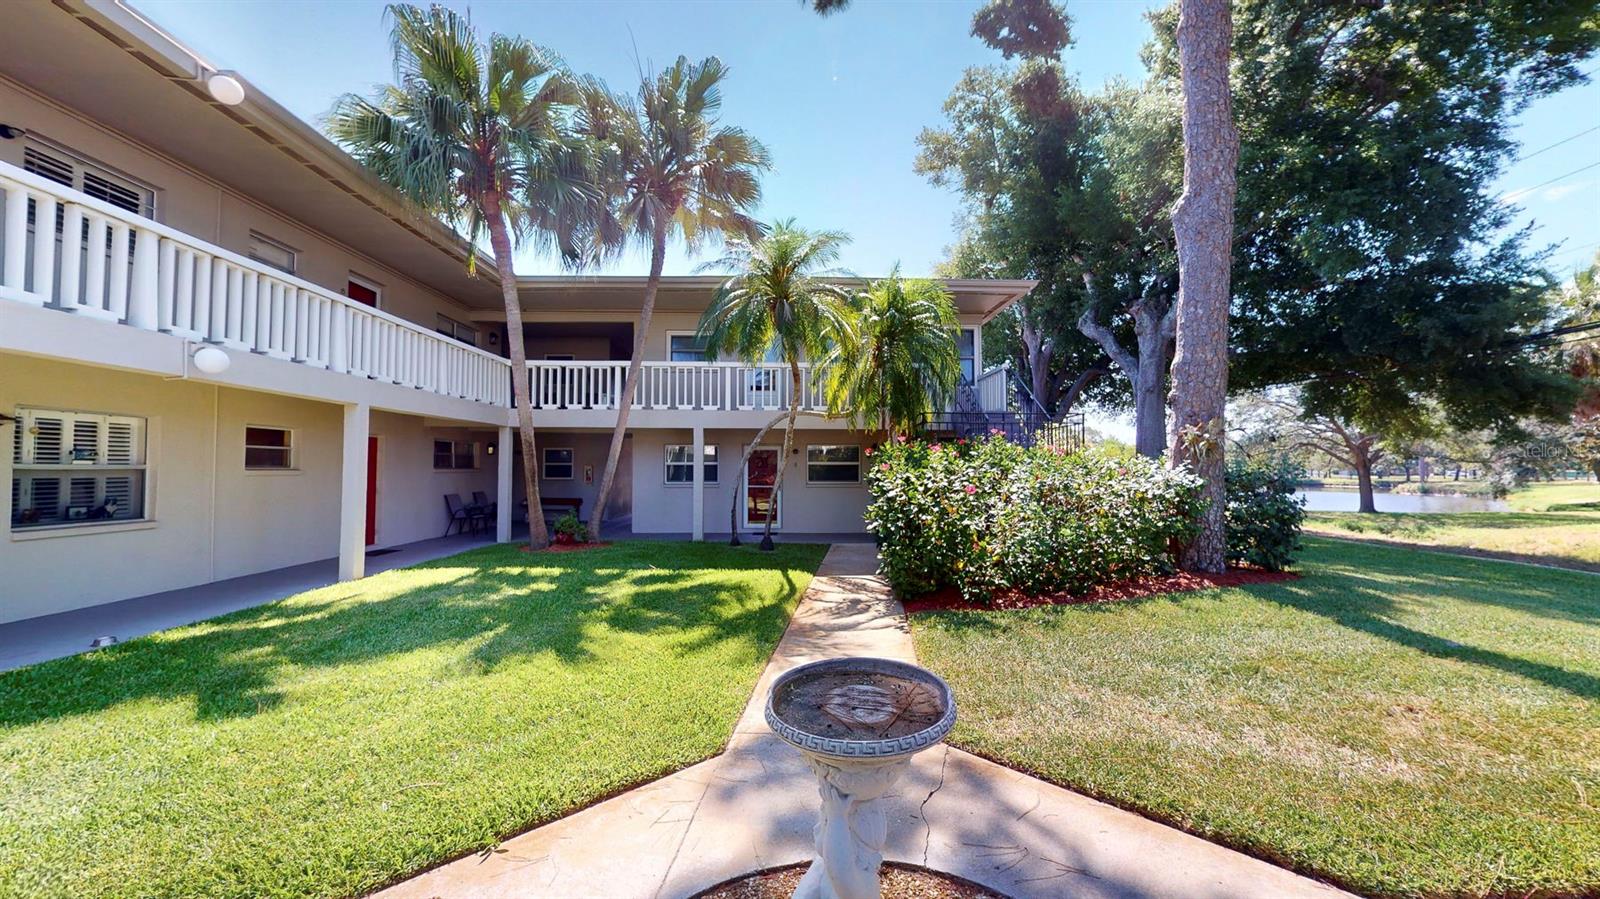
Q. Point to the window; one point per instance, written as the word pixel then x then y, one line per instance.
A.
pixel 833 464
pixel 454 455
pixel 967 349
pixel 362 291
pixel 680 464
pixel 76 467
pixel 557 464
pixel 266 449
pixel 686 348
pixel 267 251
pixel 63 167
pixel 449 327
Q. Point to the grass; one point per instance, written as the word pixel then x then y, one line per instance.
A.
pixel 1569 496
pixel 1556 524
pixel 348 736
pixel 1405 724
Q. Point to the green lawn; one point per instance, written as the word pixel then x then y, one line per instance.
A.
pixel 1406 723
pixel 1558 496
pixel 1554 523
pixel 348 736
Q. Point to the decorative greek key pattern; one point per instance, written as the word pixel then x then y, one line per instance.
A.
pixel 863 749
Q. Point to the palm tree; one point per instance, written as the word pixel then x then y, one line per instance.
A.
pixel 669 172
pixel 479 135
pixel 904 362
pixel 780 298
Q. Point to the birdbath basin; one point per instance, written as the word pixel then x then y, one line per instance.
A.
pixel 857 721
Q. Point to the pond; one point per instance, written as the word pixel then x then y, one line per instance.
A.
pixel 1350 501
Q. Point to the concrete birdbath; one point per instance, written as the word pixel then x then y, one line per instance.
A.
pixel 858 722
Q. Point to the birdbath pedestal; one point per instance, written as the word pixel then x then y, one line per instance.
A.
pixel 858 722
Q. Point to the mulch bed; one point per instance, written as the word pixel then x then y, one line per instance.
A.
pixel 949 599
pixel 565 547
pixel 899 882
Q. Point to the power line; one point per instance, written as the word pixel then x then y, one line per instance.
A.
pixel 1528 190
pixel 1558 143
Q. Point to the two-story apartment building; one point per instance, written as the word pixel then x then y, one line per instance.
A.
pixel 225 348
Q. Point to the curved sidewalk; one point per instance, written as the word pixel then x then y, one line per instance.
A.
pixel 753 807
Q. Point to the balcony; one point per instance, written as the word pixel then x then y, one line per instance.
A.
pixel 102 262
pixel 582 393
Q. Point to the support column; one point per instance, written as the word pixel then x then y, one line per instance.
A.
pixel 699 452
pixel 504 486
pixel 353 494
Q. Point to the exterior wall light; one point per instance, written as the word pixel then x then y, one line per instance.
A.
pixel 225 89
pixel 212 361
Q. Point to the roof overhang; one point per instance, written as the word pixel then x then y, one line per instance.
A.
pixel 612 293
pixel 102 58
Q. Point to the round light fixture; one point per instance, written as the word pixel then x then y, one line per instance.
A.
pixel 225 89
pixel 211 361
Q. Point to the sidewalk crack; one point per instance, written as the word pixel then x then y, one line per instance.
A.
pixel 922 810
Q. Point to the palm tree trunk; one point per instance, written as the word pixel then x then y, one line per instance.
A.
pixel 500 243
pixel 658 259
pixel 1203 225
pixel 783 456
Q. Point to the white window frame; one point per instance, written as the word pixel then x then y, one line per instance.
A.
pixel 455 445
pixel 368 283
pixel 545 463
pixel 710 450
pixel 977 351
pixel 294 254
pixel 25 465
pixel 828 446
pixel 289 464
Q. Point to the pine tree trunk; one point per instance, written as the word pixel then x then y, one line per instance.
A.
pixel 521 394
pixel 1203 225
pixel 630 385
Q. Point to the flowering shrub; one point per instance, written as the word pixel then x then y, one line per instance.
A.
pixel 1264 515
pixel 987 516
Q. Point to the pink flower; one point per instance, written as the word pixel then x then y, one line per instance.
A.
pixel 996 431
pixel 883 466
pixel 901 438
pixel 936 447
pixel 869 451
pixel 971 489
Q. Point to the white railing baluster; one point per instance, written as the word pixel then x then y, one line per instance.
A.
pixel 15 258
pixel 166 283
pixel 143 290
pixel 44 248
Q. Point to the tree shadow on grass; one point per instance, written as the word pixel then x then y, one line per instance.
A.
pixel 502 603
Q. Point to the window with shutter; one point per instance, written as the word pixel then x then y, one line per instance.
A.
pixel 76 468
pixel 97 181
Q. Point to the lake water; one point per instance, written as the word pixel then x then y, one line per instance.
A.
pixel 1350 501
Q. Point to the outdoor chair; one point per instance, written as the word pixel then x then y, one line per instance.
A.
pixel 482 501
pixel 462 516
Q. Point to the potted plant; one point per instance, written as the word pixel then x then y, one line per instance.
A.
pixel 570 530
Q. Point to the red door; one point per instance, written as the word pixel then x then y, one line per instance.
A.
pixel 361 293
pixel 372 490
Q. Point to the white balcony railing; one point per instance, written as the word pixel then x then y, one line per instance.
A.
pixel 719 386
pixel 110 264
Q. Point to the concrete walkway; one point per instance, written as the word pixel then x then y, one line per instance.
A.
pixel 47 637
pixel 754 806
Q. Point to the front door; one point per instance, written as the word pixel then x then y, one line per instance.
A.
pixel 760 499
pixel 372 490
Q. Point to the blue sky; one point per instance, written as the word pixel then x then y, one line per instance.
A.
pixel 838 100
